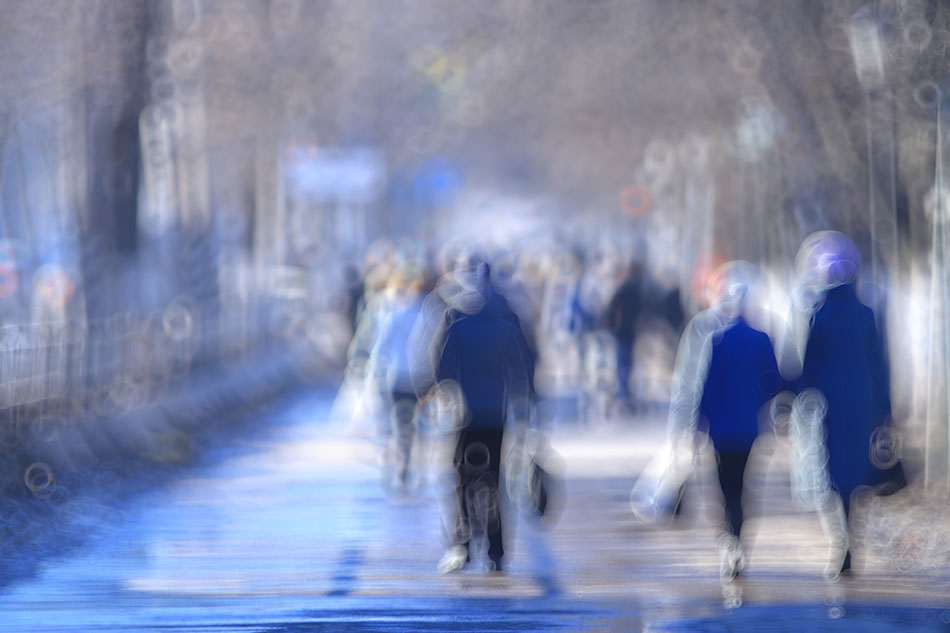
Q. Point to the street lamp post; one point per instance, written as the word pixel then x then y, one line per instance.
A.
pixel 867 50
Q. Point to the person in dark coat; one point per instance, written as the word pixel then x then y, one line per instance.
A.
pixel 844 361
pixel 726 373
pixel 621 317
pixel 486 357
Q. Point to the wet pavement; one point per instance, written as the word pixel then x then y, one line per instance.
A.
pixel 287 527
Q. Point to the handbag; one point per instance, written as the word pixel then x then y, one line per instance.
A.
pixel 659 488
pixel 885 454
pixel 526 480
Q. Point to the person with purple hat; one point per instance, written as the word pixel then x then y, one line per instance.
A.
pixel 844 362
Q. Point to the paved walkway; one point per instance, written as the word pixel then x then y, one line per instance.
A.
pixel 289 529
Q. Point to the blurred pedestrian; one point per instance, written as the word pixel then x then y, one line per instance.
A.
pixel 621 318
pixel 725 373
pixel 485 358
pixel 844 361
pixel 391 361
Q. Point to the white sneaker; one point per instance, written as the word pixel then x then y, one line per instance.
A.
pixel 731 558
pixel 454 559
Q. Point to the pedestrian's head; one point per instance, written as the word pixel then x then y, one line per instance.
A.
pixel 404 285
pixel 828 259
pixel 503 265
pixel 728 286
pixel 634 270
pixel 379 254
pixel 472 268
pixel 448 256
pixel 376 281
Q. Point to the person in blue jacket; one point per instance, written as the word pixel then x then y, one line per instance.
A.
pixel 844 360
pixel 726 372
pixel 391 358
pixel 484 354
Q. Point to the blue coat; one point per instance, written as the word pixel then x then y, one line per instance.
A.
pixel 844 360
pixel 487 355
pixel 742 376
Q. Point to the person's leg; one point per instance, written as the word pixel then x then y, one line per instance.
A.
pixel 477 464
pixel 383 413
pixel 462 528
pixel 624 367
pixel 496 550
pixel 837 513
pixel 731 472
pixel 459 530
pixel 403 421
pixel 834 523
pixel 846 508
pixel 846 502
pixel 482 455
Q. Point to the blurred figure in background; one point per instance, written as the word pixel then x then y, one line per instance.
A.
pixel 621 318
pixel 661 323
pixel 391 361
pixel 725 373
pixel 598 356
pixel 506 283
pixel 484 363
pixel 361 399
pixel 558 352
pixel 353 289
pixel 668 300
pixel 843 360
pixel 587 296
pixel 374 310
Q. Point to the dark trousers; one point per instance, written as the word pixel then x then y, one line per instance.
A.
pixel 731 471
pixel 402 419
pixel 477 463
pixel 624 368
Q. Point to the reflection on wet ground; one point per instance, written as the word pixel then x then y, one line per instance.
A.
pixel 288 529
